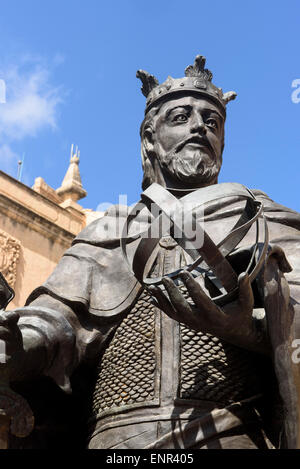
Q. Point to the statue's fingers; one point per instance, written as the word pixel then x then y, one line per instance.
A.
pixel 163 302
pixel 246 298
pixel 9 318
pixel 12 317
pixel 177 299
pixel 199 297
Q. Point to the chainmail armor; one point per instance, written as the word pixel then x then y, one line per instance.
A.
pixel 126 374
pixel 211 369
pixel 214 370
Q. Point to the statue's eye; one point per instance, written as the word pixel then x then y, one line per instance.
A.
pixel 211 123
pixel 180 118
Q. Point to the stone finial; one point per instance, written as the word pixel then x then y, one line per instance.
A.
pixel 71 188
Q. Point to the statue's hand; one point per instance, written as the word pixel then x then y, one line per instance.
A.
pixel 233 322
pixel 11 346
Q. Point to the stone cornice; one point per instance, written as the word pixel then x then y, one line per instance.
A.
pixel 26 206
pixel 21 214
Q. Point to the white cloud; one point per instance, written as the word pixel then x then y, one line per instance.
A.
pixel 31 106
pixel 31 103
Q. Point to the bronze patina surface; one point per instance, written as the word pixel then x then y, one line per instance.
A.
pixel 157 341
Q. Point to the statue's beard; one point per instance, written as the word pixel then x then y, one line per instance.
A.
pixel 193 167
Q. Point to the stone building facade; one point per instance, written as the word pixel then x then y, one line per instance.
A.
pixel 37 225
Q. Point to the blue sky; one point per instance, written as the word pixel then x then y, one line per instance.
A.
pixel 70 66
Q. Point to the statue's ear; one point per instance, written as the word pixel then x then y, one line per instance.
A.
pixel 148 141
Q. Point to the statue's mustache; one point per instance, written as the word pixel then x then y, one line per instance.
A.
pixel 203 141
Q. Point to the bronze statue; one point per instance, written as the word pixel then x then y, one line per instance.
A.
pixel 166 342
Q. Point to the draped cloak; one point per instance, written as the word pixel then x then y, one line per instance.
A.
pixel 92 289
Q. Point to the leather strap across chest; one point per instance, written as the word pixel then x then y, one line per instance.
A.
pixel 191 236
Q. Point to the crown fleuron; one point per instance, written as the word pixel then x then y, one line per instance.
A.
pixel 197 79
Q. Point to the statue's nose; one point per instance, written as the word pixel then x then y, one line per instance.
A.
pixel 198 125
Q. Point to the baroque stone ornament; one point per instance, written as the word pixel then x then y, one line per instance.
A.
pixel 9 257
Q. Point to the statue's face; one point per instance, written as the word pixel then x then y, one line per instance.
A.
pixel 188 141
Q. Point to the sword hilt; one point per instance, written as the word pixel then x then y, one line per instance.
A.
pixel 16 416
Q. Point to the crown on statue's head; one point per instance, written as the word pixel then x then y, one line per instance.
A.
pixel 197 80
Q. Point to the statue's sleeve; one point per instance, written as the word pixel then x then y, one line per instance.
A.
pixel 59 313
